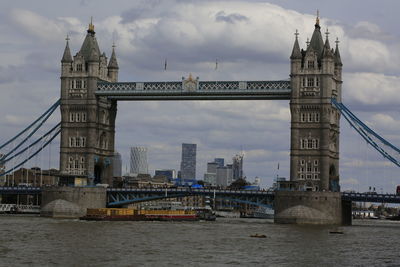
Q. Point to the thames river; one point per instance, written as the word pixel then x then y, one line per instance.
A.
pixel 35 241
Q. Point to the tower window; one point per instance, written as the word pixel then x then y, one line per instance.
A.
pixel 78 84
pixel 310 82
pixel 83 143
pixel 316 162
pixel 79 67
pixel 71 117
pixel 310 115
pixel 310 143
pixel 83 117
pixel 310 64
pixel 77 117
pixel 304 82
pixel 303 117
pixel 317 81
pixel 317 117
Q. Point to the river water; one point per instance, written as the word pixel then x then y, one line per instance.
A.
pixel 36 241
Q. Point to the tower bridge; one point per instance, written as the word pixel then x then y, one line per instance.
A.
pixel 90 92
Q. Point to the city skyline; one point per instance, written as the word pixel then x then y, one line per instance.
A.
pixel 368 42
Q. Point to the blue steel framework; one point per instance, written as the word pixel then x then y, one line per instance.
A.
pixel 123 196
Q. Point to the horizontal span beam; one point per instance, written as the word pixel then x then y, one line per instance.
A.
pixel 195 90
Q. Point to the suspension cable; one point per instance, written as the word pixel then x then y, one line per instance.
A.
pixel 365 132
pixel 6 159
pixel 34 154
pixel 45 114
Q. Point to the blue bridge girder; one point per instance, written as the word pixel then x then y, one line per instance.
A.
pixel 197 90
pixel 132 195
pixel 123 196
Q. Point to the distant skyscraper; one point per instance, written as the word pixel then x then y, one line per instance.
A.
pixel 139 160
pixel 220 162
pixel 211 175
pixel 188 163
pixel 237 167
pixel 224 175
pixel 117 165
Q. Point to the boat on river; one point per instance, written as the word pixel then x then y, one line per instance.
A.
pixel 166 211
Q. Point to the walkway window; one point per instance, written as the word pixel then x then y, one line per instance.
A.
pixel 317 117
pixel 310 82
pixel 303 117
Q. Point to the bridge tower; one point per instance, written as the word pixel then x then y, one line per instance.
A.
pixel 316 77
pixel 87 121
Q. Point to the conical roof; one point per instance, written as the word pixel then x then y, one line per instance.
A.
pixel 113 64
pixel 67 58
pixel 338 60
pixel 296 53
pixel 316 43
pixel 327 48
pixel 89 44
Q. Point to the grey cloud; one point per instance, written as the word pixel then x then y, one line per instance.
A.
pixel 230 18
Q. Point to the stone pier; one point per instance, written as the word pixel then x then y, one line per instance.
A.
pixel 310 207
pixel 71 202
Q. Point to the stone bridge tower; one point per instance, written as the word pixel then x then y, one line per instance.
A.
pixel 316 77
pixel 87 121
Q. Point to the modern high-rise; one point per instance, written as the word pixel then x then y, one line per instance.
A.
pixel 211 175
pixel 188 163
pixel 224 175
pixel 117 162
pixel 139 160
pixel 220 162
pixel 237 167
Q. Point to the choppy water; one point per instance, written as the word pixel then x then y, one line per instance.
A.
pixel 35 241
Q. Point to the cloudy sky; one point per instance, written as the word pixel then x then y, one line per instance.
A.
pixel 252 41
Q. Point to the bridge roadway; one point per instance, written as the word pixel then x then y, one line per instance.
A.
pixel 118 196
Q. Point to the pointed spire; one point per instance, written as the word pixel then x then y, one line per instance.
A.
pixel 338 61
pixel 67 58
pixel 317 43
pixel 113 64
pixel 317 19
pixel 90 43
pixel 91 26
pixel 327 48
pixel 296 53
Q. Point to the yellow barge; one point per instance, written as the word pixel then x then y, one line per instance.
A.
pixel 123 214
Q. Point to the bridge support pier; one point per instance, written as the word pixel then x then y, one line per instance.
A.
pixel 310 207
pixel 71 202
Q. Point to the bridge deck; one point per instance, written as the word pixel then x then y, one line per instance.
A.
pixel 196 90
pixel 358 197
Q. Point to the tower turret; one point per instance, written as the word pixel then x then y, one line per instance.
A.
pixel 327 61
pixel 113 66
pixel 66 61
